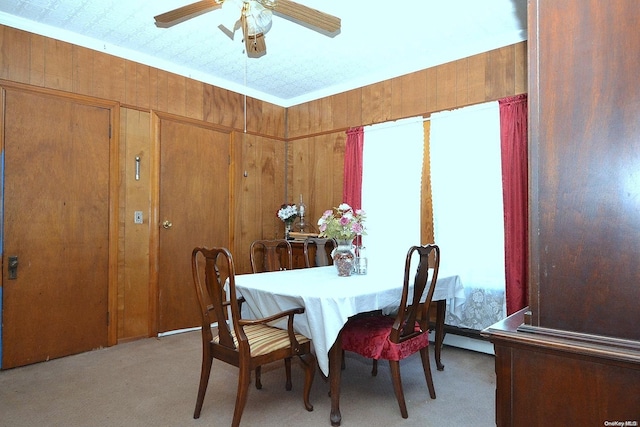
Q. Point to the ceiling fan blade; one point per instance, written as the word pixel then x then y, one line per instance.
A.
pixel 183 13
pixel 306 15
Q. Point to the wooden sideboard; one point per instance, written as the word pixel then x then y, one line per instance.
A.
pixel 297 250
pixel 548 377
pixel 573 357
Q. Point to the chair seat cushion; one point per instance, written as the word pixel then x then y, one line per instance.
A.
pixel 369 337
pixel 264 339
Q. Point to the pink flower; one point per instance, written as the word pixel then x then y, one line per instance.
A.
pixel 342 223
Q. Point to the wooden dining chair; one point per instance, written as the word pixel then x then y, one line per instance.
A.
pixel 246 344
pixel 398 336
pixel 322 251
pixel 270 255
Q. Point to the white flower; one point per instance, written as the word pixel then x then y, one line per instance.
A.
pixel 287 213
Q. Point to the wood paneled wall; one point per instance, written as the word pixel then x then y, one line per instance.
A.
pixel 133 244
pixel 259 192
pixel 315 170
pixel 318 127
pixel 480 78
pixel 41 61
pixel 285 152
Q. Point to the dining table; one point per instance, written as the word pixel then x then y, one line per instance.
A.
pixel 329 300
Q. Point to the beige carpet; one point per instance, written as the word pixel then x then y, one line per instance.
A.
pixel 153 382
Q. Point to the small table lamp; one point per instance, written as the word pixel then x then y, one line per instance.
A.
pixel 301 210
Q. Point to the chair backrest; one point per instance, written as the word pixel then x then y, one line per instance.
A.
pixel 214 278
pixel 323 249
pixel 271 255
pixel 415 307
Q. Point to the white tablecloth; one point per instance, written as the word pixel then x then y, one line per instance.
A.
pixel 329 300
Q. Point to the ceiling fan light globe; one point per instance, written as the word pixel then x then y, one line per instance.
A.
pixel 259 19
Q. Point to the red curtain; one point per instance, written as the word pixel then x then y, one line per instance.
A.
pixel 513 141
pixel 352 184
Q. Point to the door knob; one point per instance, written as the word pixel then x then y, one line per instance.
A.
pixel 166 225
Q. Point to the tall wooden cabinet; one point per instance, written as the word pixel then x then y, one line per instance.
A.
pixel 573 356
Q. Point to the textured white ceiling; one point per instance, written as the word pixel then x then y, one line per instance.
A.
pixel 379 40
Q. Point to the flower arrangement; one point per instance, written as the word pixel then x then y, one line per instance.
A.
pixel 342 223
pixel 287 213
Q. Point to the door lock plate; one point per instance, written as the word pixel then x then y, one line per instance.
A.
pixel 13 267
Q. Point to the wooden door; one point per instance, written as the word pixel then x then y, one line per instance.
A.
pixel 56 222
pixel 194 211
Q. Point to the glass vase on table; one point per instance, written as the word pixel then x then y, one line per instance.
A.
pixel 360 266
pixel 287 230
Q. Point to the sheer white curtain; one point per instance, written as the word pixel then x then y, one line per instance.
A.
pixel 391 177
pixel 466 181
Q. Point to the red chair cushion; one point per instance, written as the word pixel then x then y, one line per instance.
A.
pixel 369 337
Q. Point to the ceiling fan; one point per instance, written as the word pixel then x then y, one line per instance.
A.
pixel 255 18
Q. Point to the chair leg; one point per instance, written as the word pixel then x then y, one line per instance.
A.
pixel 259 377
pixel 287 368
pixel 205 371
pixel 244 378
pixel 424 355
pixel 309 364
pixel 397 386
pixel 374 368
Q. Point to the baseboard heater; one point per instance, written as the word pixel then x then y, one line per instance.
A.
pixel 469 339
